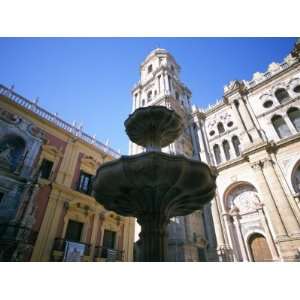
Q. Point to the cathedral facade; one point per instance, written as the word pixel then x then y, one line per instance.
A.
pixel 252 137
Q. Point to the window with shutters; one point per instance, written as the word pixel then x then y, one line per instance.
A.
pixel 46 168
pixel 85 183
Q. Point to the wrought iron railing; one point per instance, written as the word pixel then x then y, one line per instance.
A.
pixel 17 232
pixel 41 112
pixel 108 254
pixel 60 245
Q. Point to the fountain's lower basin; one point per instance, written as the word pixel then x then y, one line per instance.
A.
pixel 154 187
pixel 154 182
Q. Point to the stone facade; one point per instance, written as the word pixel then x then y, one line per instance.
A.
pixel 46 171
pixel 252 136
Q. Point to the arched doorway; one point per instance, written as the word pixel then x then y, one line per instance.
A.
pixel 241 204
pixel 259 248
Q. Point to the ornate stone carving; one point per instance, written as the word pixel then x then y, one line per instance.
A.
pixel 9 117
pixel 267 163
pixel 233 85
pixel 256 166
pixel 258 76
pixel 243 199
pixel 273 67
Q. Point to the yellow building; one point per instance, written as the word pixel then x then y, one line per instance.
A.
pixel 54 163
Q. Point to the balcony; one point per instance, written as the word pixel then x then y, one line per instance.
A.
pixel 59 247
pixel 107 254
pixel 16 242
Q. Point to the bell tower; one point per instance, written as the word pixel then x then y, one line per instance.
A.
pixel 160 84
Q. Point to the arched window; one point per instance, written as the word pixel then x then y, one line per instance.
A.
pixel 217 154
pixel 12 148
pixel 149 96
pixel 294 115
pixel 149 68
pixel 143 102
pixel 281 127
pixel 296 179
pixel 220 127
pixel 282 95
pixel 236 145
pixel 226 148
pixel 297 89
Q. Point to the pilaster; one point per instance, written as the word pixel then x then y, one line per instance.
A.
pixel 282 202
pixel 273 215
pixel 46 236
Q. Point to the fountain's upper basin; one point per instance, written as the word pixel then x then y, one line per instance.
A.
pixel 154 182
pixel 154 126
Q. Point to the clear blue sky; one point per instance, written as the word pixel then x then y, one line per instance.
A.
pixel 90 79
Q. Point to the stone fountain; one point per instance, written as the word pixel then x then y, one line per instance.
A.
pixel 154 186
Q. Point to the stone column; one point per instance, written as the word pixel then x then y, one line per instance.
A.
pixel 158 83
pixel 153 237
pixel 94 235
pixel 203 144
pixel 245 114
pixel 281 200
pixel 222 153
pixel 240 237
pixel 166 83
pixel 237 116
pixel 268 233
pixel 249 123
pixel 267 198
pixel 244 135
pixel 218 228
pixel 228 225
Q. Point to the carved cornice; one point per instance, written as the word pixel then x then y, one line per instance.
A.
pixel 256 166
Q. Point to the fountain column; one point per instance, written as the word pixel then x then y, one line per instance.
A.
pixel 153 237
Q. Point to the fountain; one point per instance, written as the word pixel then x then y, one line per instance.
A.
pixel 154 186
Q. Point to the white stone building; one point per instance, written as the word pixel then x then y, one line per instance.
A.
pixel 252 136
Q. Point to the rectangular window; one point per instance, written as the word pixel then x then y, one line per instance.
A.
pixel 85 183
pixel 46 168
pixel 109 239
pixel 74 231
pixel 1 197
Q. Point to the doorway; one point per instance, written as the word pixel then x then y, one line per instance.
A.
pixel 259 248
